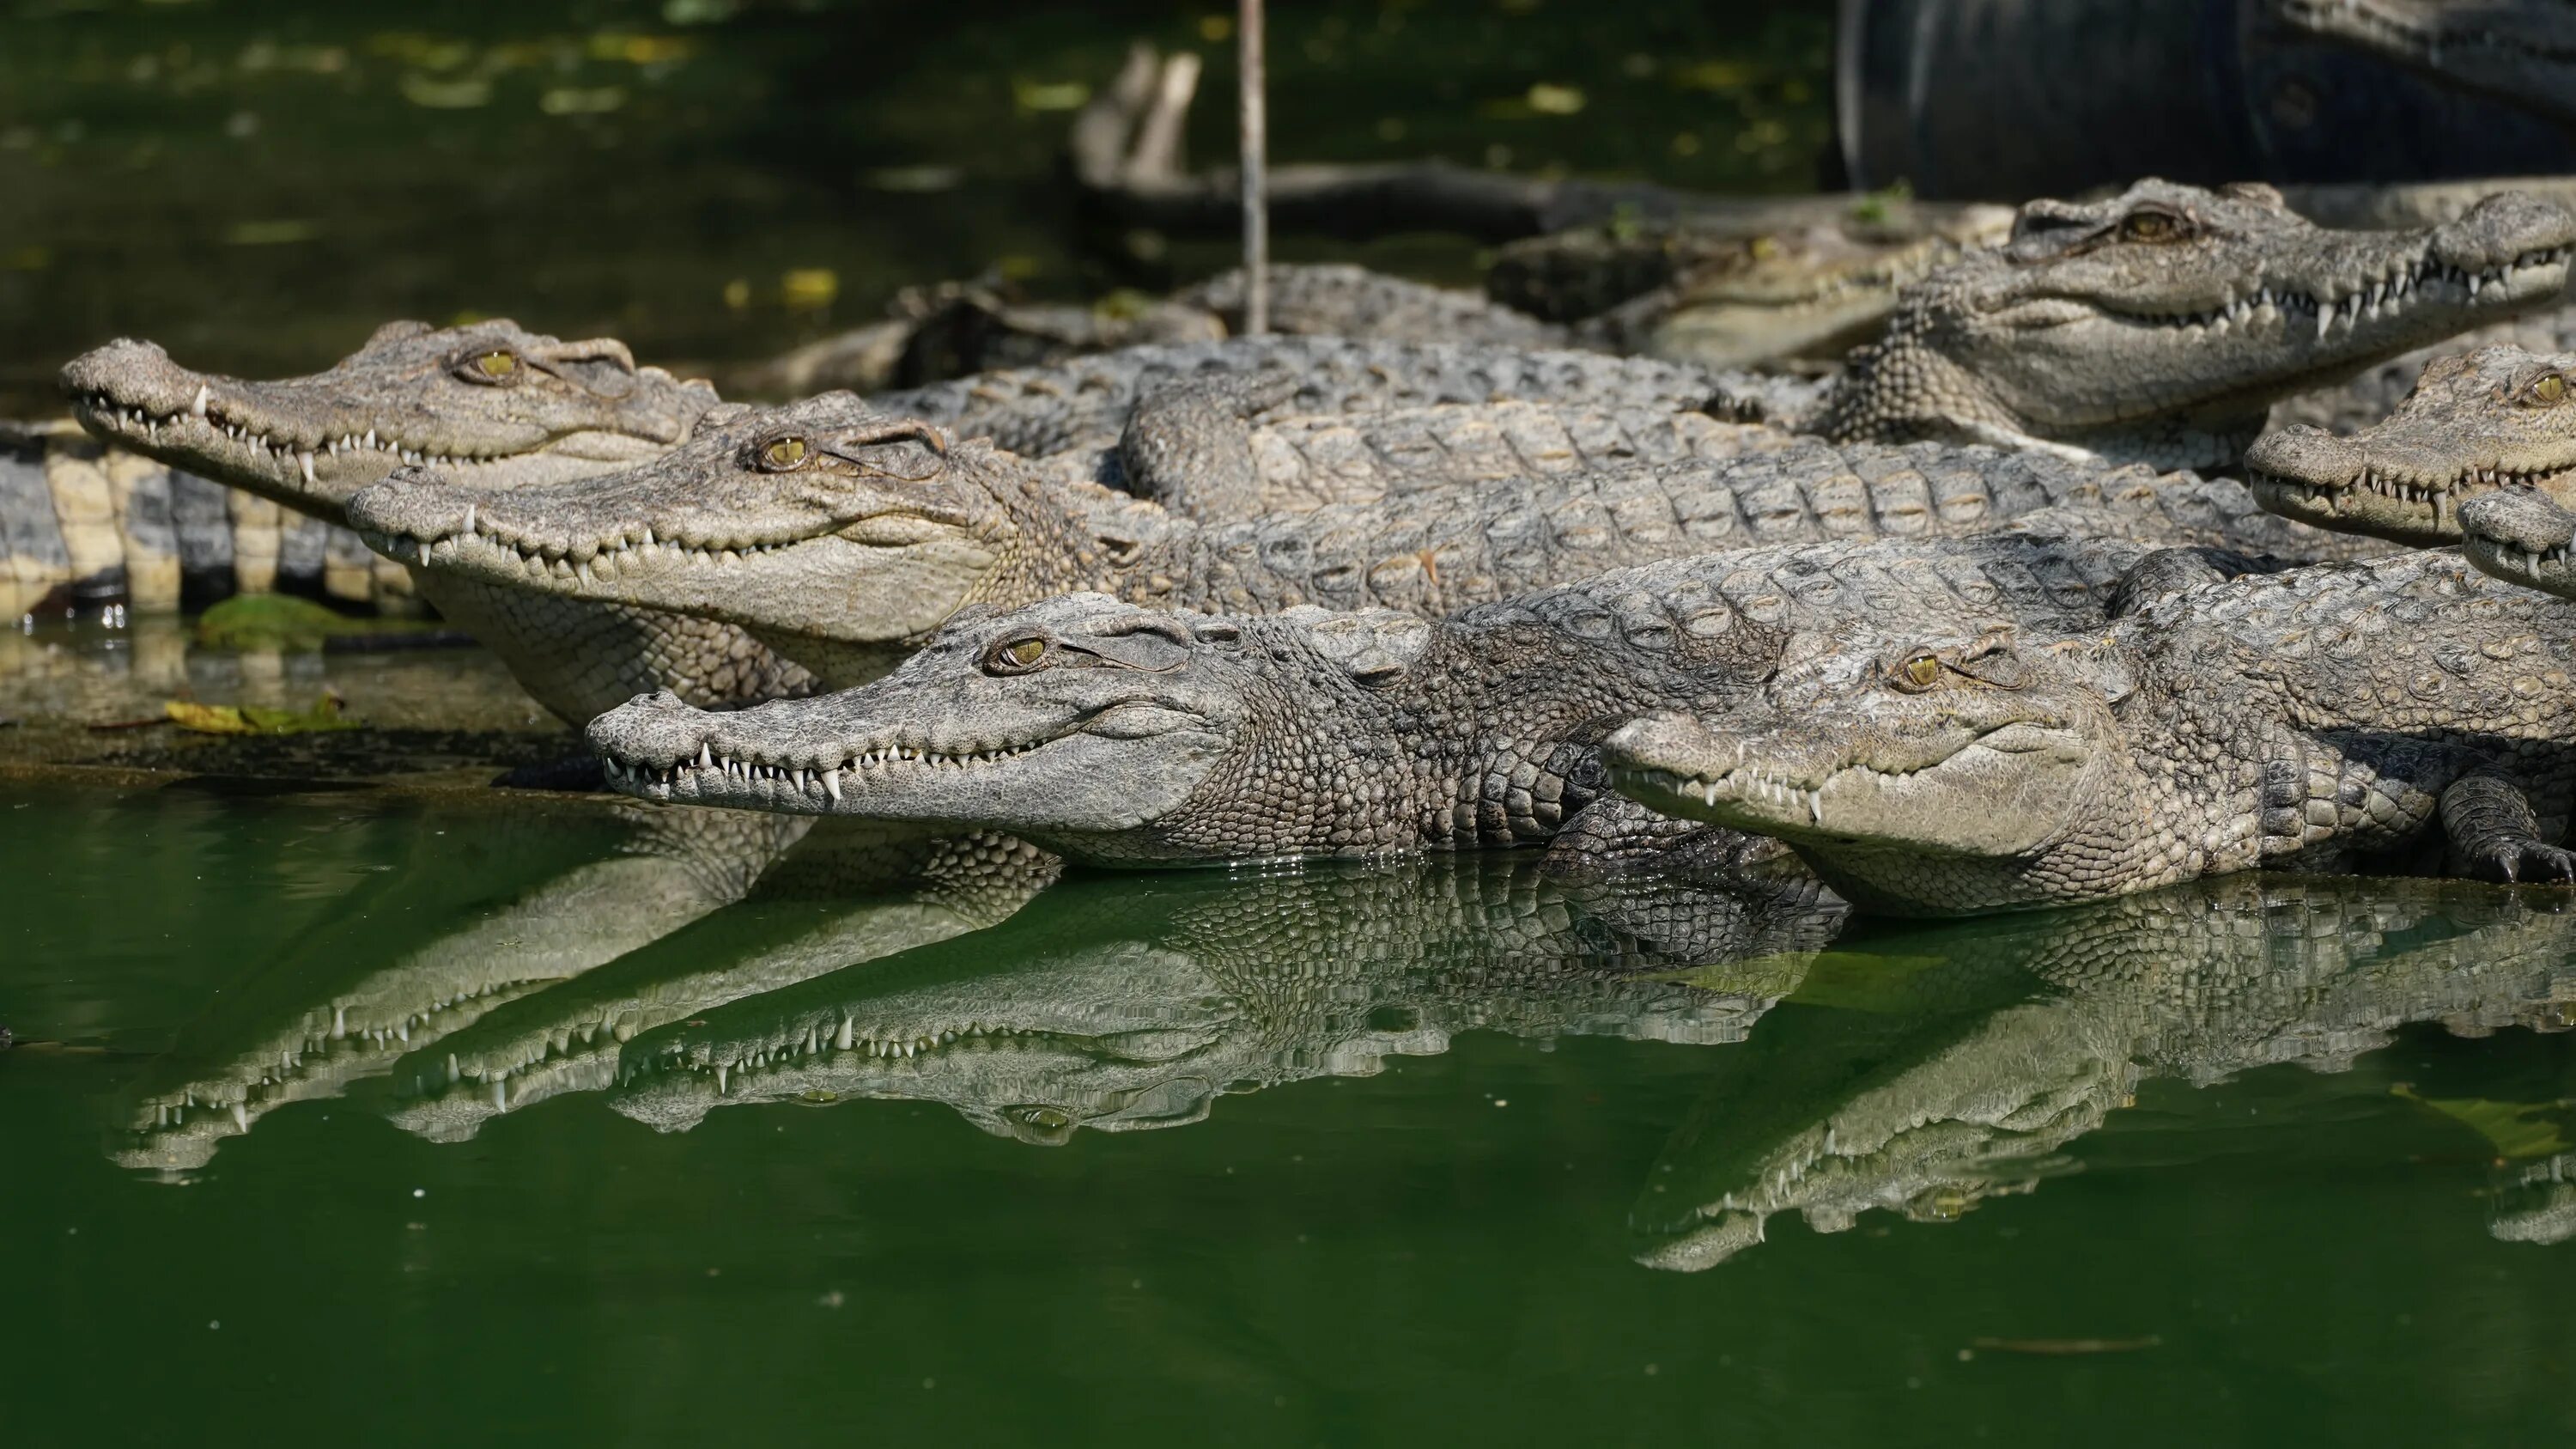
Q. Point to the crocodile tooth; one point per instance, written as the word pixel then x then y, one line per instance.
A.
pixel 832 784
pixel 306 460
pixel 469 518
pixel 2325 319
pixel 199 406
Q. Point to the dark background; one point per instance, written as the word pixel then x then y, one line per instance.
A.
pixel 258 183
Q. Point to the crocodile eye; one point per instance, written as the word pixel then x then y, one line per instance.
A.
pixel 780 454
pixel 499 366
pixel 1920 672
pixel 1016 656
pixel 2151 226
pixel 2548 390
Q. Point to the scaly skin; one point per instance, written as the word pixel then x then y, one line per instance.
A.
pixel 2306 720
pixel 933 334
pixel 2159 326
pixel 843 539
pixel 1122 1012
pixel 490 405
pixel 1983 1069
pixel 2495 418
pixel 1121 734
pixel 891 890
pixel 1219 448
pixel 2522 51
pixel 1086 403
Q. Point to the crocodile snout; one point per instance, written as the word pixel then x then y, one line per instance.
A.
pixel 2502 230
pixel 130 372
pixel 2518 519
pixel 410 502
pixel 652 731
pixel 2308 455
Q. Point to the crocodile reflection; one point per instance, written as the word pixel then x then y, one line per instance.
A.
pixel 335 1012
pixel 2536 1202
pixel 1974 1074
pixel 889 889
pixel 1135 1005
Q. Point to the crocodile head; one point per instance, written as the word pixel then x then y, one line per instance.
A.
pixel 1905 775
pixel 487 402
pixel 2498 417
pixel 830 529
pixel 1086 724
pixel 2521 50
pixel 2522 537
pixel 2162 323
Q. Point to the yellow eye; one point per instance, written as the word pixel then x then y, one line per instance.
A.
pixel 2148 226
pixel 1922 671
pixel 2550 390
pixel 784 453
pixel 497 365
pixel 1020 653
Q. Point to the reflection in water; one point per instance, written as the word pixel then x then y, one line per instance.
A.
pixel 2536 1203
pixel 335 1012
pixel 1972 1075
pixel 1131 1006
pixel 890 889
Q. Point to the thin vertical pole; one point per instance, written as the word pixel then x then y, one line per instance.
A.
pixel 1256 209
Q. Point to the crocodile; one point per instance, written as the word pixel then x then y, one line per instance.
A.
pixel 1134 735
pixel 2498 417
pixel 2378 390
pixel 1693 290
pixel 843 538
pixel 1124 1012
pixel 334 1011
pixel 2161 325
pixel 2536 1203
pixel 890 891
pixel 2325 717
pixel 2157 326
pixel 489 403
pixel 1968 1079
pixel 937 333
pixel 2519 51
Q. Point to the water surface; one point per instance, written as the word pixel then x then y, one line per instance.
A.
pixel 1432 1153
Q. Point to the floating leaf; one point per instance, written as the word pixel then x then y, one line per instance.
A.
pixel 1049 95
pixel 581 100
pixel 227 719
pixel 439 95
pixel 2513 1129
pixel 915 178
pixel 270 233
pixel 1553 100
pixel 810 288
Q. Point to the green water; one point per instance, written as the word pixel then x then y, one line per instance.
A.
pixel 1431 1154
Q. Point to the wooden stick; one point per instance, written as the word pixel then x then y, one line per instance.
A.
pixel 1256 210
